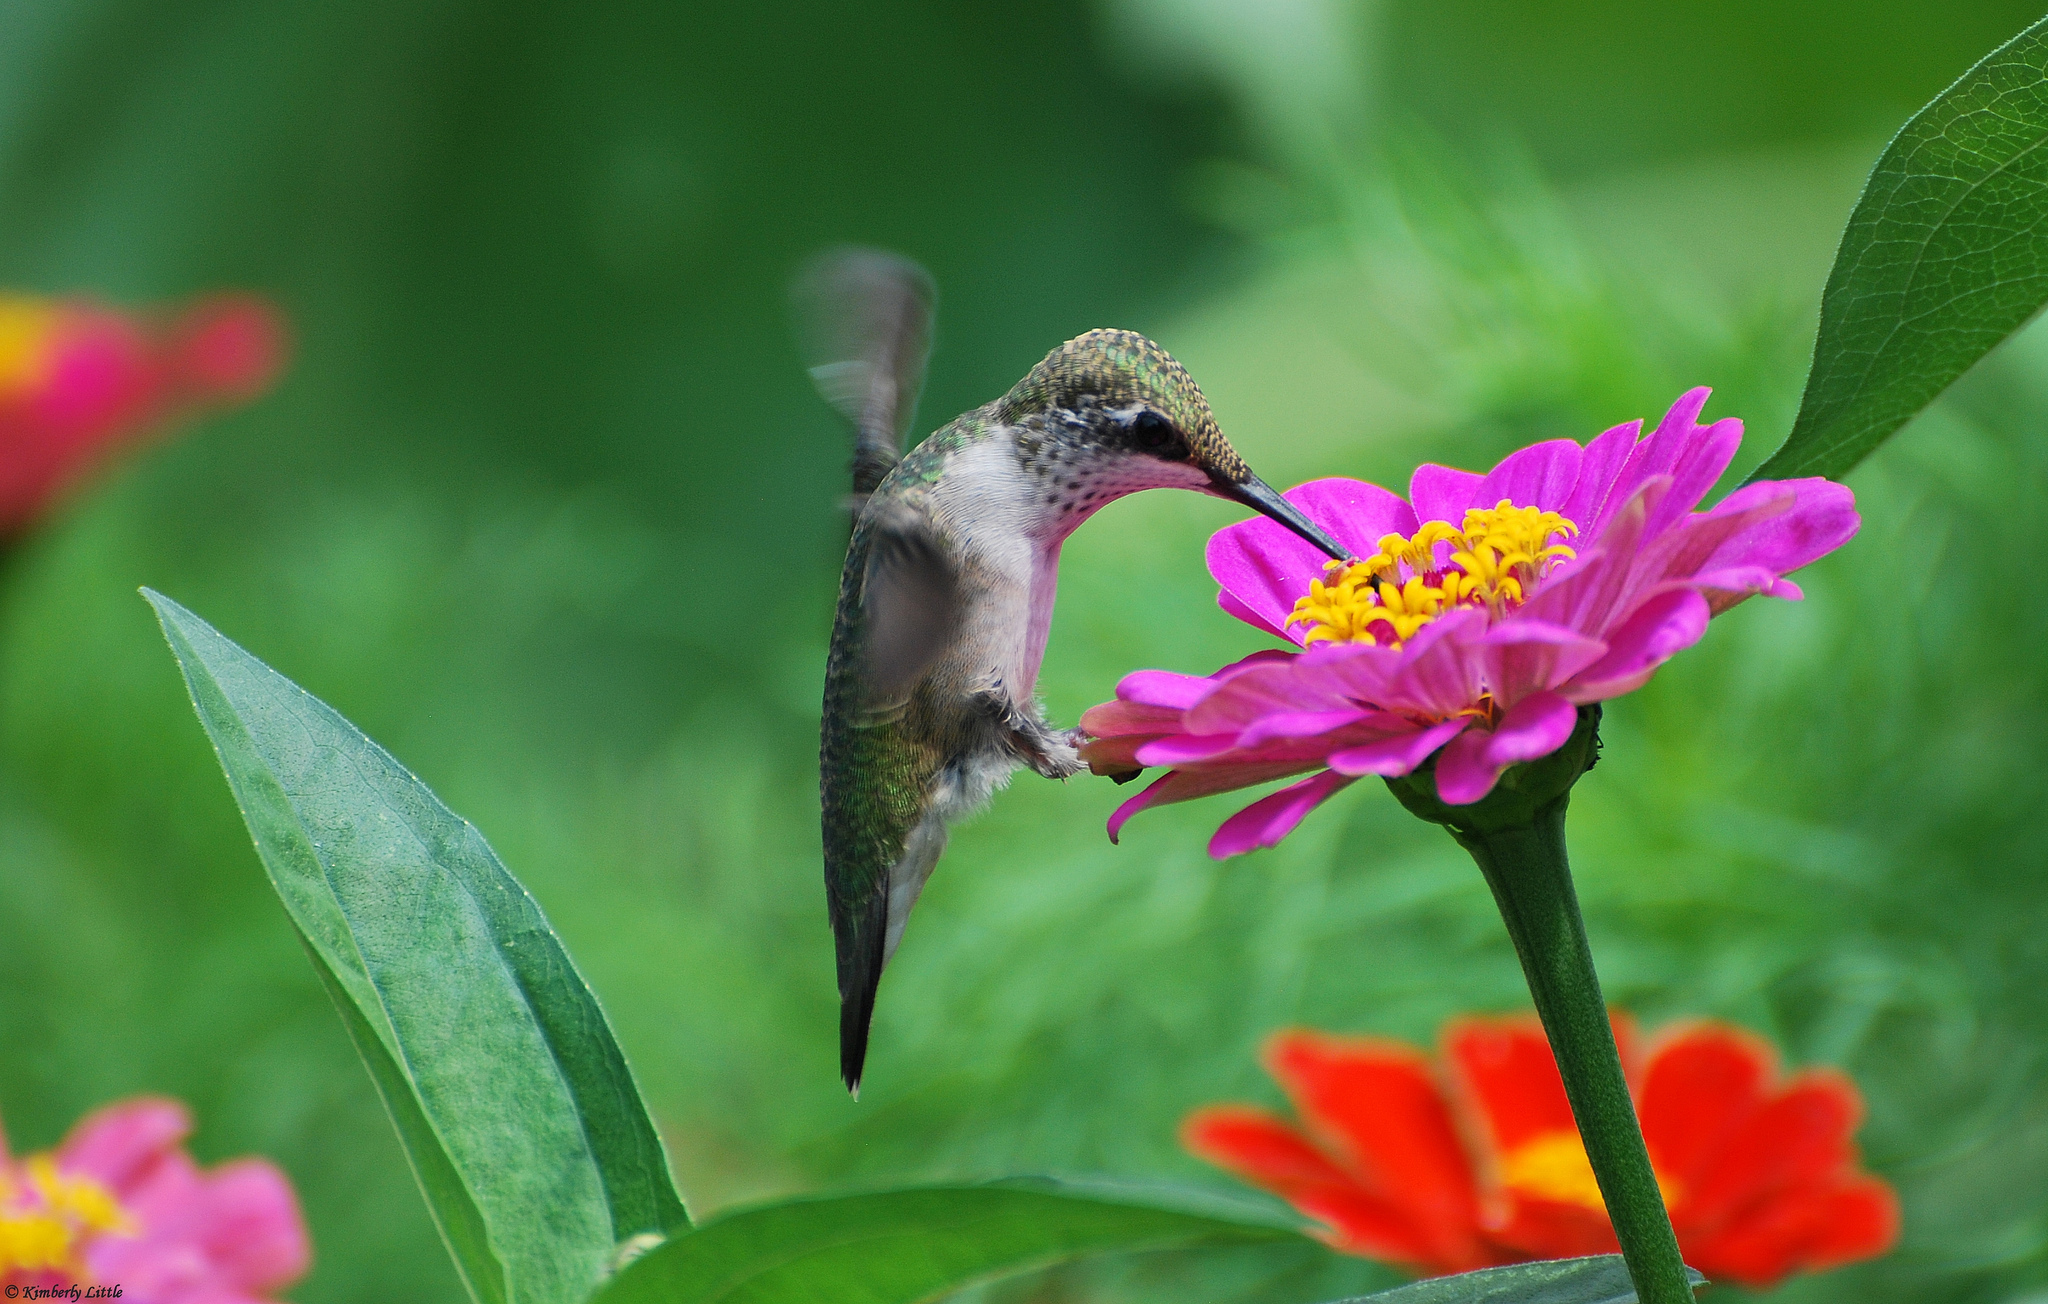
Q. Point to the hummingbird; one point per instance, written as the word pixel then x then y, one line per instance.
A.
pixel 947 592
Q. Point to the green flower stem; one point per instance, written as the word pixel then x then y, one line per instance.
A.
pixel 1517 836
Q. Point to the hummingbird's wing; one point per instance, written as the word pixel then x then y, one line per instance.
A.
pixel 910 609
pixel 865 317
pixel 900 607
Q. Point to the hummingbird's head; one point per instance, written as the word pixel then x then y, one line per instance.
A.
pixel 1110 413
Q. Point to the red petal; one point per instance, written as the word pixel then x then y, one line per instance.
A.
pixel 1258 1147
pixel 1548 1229
pixel 1274 1157
pixel 1799 1136
pixel 1502 1070
pixel 1373 1228
pixel 1700 1083
pixel 1809 1229
pixel 1376 1102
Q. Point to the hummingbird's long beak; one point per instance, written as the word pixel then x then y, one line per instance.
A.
pixel 1260 497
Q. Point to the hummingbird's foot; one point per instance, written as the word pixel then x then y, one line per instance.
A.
pixel 1051 752
pixel 1054 756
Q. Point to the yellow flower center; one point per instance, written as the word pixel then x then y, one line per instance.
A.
pixel 25 329
pixel 1492 562
pixel 46 1222
pixel 1553 1166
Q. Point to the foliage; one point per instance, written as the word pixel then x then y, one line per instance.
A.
pixel 521 1119
pixel 1945 255
pixel 898 1247
pixel 549 508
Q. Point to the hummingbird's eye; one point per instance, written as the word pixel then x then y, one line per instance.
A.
pixel 1155 434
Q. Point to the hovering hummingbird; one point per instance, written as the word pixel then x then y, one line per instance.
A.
pixel 947 593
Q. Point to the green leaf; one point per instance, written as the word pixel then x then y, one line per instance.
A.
pixel 1945 255
pixel 511 1098
pixel 897 1247
pixel 1599 1280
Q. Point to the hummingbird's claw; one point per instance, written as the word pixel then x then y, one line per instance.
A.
pixel 1051 752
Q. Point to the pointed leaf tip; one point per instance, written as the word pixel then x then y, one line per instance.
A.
pixel 1944 257
pixel 511 1097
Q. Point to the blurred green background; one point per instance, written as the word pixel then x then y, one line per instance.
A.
pixel 547 506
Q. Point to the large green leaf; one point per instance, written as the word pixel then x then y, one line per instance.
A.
pixel 1945 255
pixel 897 1247
pixel 1599 1280
pixel 512 1099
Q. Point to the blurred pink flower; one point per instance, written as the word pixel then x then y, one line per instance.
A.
pixel 1575 573
pixel 119 1202
pixel 78 380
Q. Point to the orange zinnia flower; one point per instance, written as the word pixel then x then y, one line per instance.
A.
pixel 1477 1162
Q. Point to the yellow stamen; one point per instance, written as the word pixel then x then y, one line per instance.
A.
pixel 80 1199
pixel 1553 1166
pixel 25 329
pixel 1493 561
pixel 46 1222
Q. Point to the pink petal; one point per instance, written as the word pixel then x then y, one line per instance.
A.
pixel 1691 455
pixel 1231 603
pixel 253 1229
pixel 1399 754
pixel 1186 785
pixel 1302 724
pixel 1599 469
pixel 228 347
pixel 1821 518
pixel 1724 588
pixel 1699 467
pixel 1176 749
pixel 1461 776
pixel 1588 594
pixel 231 1233
pixel 1541 475
pixel 1266 821
pixel 1521 656
pixel 1661 628
pixel 1117 719
pixel 1442 493
pixel 1472 763
pixel 120 1144
pixel 1538 727
pixel 1163 688
pixel 1267 569
pixel 1318 680
pixel 1229 753
pixel 1679 552
pixel 1439 673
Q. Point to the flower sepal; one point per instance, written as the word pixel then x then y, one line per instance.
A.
pixel 1522 799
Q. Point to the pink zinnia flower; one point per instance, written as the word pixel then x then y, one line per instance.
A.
pixel 120 1203
pixel 78 380
pixel 1486 611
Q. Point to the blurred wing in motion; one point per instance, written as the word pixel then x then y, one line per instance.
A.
pixel 865 320
pixel 910 607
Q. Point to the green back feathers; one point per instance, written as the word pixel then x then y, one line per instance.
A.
pixel 1113 368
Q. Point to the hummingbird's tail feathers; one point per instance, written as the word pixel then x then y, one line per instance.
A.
pixel 860 933
pixel 921 852
pixel 865 317
pixel 867 936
